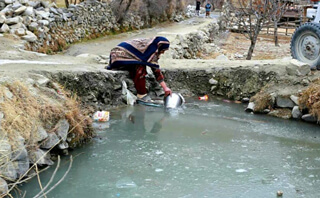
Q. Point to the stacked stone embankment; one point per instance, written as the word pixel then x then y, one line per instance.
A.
pixel 47 28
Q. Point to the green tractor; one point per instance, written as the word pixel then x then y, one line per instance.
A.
pixel 305 42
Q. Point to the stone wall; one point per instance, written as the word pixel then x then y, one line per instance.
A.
pixel 47 28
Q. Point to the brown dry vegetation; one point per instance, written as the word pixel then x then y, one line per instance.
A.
pixel 26 110
pixel 310 99
pixel 262 101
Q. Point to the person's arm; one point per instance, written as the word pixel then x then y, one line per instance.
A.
pixel 160 78
pixel 166 89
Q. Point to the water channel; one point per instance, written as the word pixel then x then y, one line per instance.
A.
pixel 206 149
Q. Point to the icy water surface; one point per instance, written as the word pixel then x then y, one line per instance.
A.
pixel 207 149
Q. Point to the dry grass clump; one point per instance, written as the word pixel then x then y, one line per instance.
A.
pixel 310 99
pixel 24 111
pixel 80 124
pixel 262 101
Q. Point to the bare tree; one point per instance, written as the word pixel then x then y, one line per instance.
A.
pixel 251 16
pixel 279 7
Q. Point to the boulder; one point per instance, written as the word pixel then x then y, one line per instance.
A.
pixel 43 22
pixel 33 26
pixel 21 167
pixel 3 187
pixel 29 11
pixel 296 113
pixel 21 32
pixel 51 141
pixel 4 28
pixel 30 37
pixel 295 99
pixel 5 150
pixel 15 6
pixel 20 10
pixel 8 170
pixel 23 2
pixel 42 14
pixel 297 68
pixel 19 149
pixel 213 81
pixel 40 157
pixel 14 20
pixel 2 19
pixel 62 129
pixel 284 102
pixel 8 1
pixel 309 118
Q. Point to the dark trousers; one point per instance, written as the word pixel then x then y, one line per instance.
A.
pixel 138 75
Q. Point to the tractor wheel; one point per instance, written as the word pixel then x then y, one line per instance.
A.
pixel 305 44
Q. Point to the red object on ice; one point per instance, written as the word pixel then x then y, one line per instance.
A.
pixel 205 97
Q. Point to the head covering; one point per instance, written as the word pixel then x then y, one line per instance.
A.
pixel 138 52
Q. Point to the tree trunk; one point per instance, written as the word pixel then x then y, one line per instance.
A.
pixel 67 3
pixel 254 39
pixel 276 40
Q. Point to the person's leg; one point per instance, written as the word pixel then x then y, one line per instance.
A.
pixel 138 74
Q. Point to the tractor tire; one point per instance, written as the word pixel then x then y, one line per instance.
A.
pixel 305 44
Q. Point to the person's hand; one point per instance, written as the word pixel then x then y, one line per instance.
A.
pixel 167 91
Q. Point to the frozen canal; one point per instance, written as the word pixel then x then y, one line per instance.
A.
pixel 208 149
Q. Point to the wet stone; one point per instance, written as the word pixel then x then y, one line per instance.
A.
pixel 3 187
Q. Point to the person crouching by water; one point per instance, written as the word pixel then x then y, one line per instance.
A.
pixel 134 56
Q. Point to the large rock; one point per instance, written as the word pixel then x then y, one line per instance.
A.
pixel 3 187
pixel 284 102
pixel 20 10
pixel 29 11
pixel 42 14
pixel 40 157
pixel 30 37
pixel 2 19
pixel 62 129
pixel 21 166
pixel 51 141
pixel 19 149
pixel 298 68
pixel 8 170
pixel 5 150
pixel 309 118
pixel 4 28
pixel 296 113
pixel 14 20
pixel 40 134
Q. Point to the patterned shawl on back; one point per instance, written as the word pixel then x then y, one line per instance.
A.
pixel 138 52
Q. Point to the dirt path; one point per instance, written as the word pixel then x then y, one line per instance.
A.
pixel 14 59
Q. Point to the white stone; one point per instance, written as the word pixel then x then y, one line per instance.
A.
pixel 2 18
pixel 29 11
pixel 8 1
pixel 43 14
pixel 20 32
pixel 296 114
pixel 30 37
pixel 4 28
pixel 298 68
pixel 295 99
pixel 33 26
pixel 213 81
pixel 23 1
pixel 20 10
pixel 44 22
pixel 14 20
